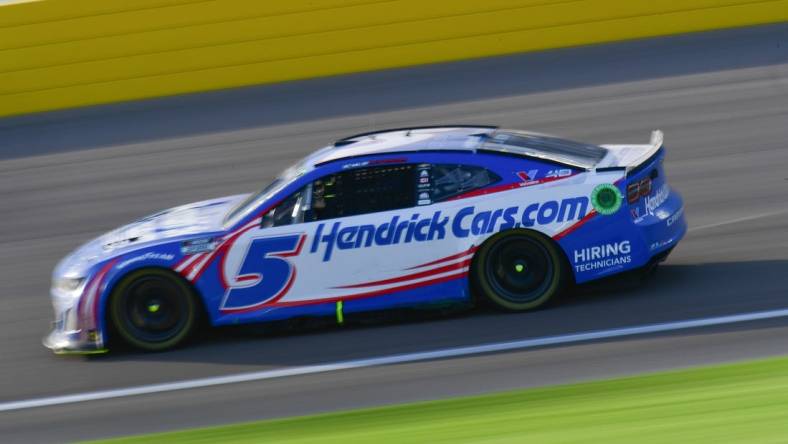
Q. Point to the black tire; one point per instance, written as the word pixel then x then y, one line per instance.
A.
pixel 153 310
pixel 519 270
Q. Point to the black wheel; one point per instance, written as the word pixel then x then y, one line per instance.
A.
pixel 518 270
pixel 153 309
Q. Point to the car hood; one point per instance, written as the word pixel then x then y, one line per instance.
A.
pixel 183 221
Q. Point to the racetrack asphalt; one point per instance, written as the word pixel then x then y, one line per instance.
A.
pixel 721 98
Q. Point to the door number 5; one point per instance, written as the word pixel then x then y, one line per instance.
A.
pixel 265 275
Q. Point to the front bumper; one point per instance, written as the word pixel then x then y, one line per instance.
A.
pixel 72 342
pixel 68 335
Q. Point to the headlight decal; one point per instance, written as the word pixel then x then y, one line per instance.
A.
pixel 68 285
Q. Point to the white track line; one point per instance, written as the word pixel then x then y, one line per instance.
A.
pixel 737 220
pixel 385 360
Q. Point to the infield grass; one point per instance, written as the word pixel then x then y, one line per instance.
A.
pixel 738 403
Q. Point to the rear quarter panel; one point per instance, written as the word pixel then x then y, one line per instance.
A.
pixel 636 233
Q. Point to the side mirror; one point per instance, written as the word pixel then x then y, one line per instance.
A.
pixel 267 220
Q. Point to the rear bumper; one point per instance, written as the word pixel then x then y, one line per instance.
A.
pixel 608 245
pixel 662 230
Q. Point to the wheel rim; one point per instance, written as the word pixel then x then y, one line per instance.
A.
pixel 154 309
pixel 519 269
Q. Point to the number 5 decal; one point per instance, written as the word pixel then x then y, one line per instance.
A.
pixel 264 276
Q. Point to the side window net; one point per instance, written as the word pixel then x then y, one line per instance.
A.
pixel 452 180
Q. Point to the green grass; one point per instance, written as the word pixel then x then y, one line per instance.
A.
pixel 742 403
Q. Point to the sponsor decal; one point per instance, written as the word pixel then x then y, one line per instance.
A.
pixel 659 244
pixel 462 224
pixel 652 202
pixel 147 256
pixel 423 187
pixel 675 216
pixel 355 165
pixel 563 172
pixel 527 176
pixel 606 199
pixel 603 256
pixel 202 245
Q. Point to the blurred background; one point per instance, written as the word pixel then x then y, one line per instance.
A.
pixel 111 110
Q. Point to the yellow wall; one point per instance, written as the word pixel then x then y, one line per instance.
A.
pixel 65 53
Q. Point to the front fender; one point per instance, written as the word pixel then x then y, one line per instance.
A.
pixel 93 303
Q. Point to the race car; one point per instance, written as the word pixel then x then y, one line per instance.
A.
pixel 398 218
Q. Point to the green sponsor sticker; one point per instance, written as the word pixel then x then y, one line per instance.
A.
pixel 606 199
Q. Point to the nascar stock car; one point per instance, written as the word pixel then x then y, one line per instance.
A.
pixel 407 217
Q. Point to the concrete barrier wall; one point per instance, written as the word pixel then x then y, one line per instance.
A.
pixel 58 54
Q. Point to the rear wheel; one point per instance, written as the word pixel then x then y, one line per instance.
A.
pixel 519 270
pixel 153 309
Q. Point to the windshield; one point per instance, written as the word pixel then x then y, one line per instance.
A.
pixel 255 199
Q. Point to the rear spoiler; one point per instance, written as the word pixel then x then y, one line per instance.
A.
pixel 630 157
pixel 656 142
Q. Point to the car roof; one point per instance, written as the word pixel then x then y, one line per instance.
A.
pixel 470 138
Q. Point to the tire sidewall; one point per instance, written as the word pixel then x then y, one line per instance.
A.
pixel 117 315
pixel 481 284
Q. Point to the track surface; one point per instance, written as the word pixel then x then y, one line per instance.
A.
pixel 721 98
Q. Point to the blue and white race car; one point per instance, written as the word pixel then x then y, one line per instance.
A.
pixel 390 219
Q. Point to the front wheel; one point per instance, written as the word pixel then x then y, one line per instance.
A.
pixel 153 310
pixel 518 270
